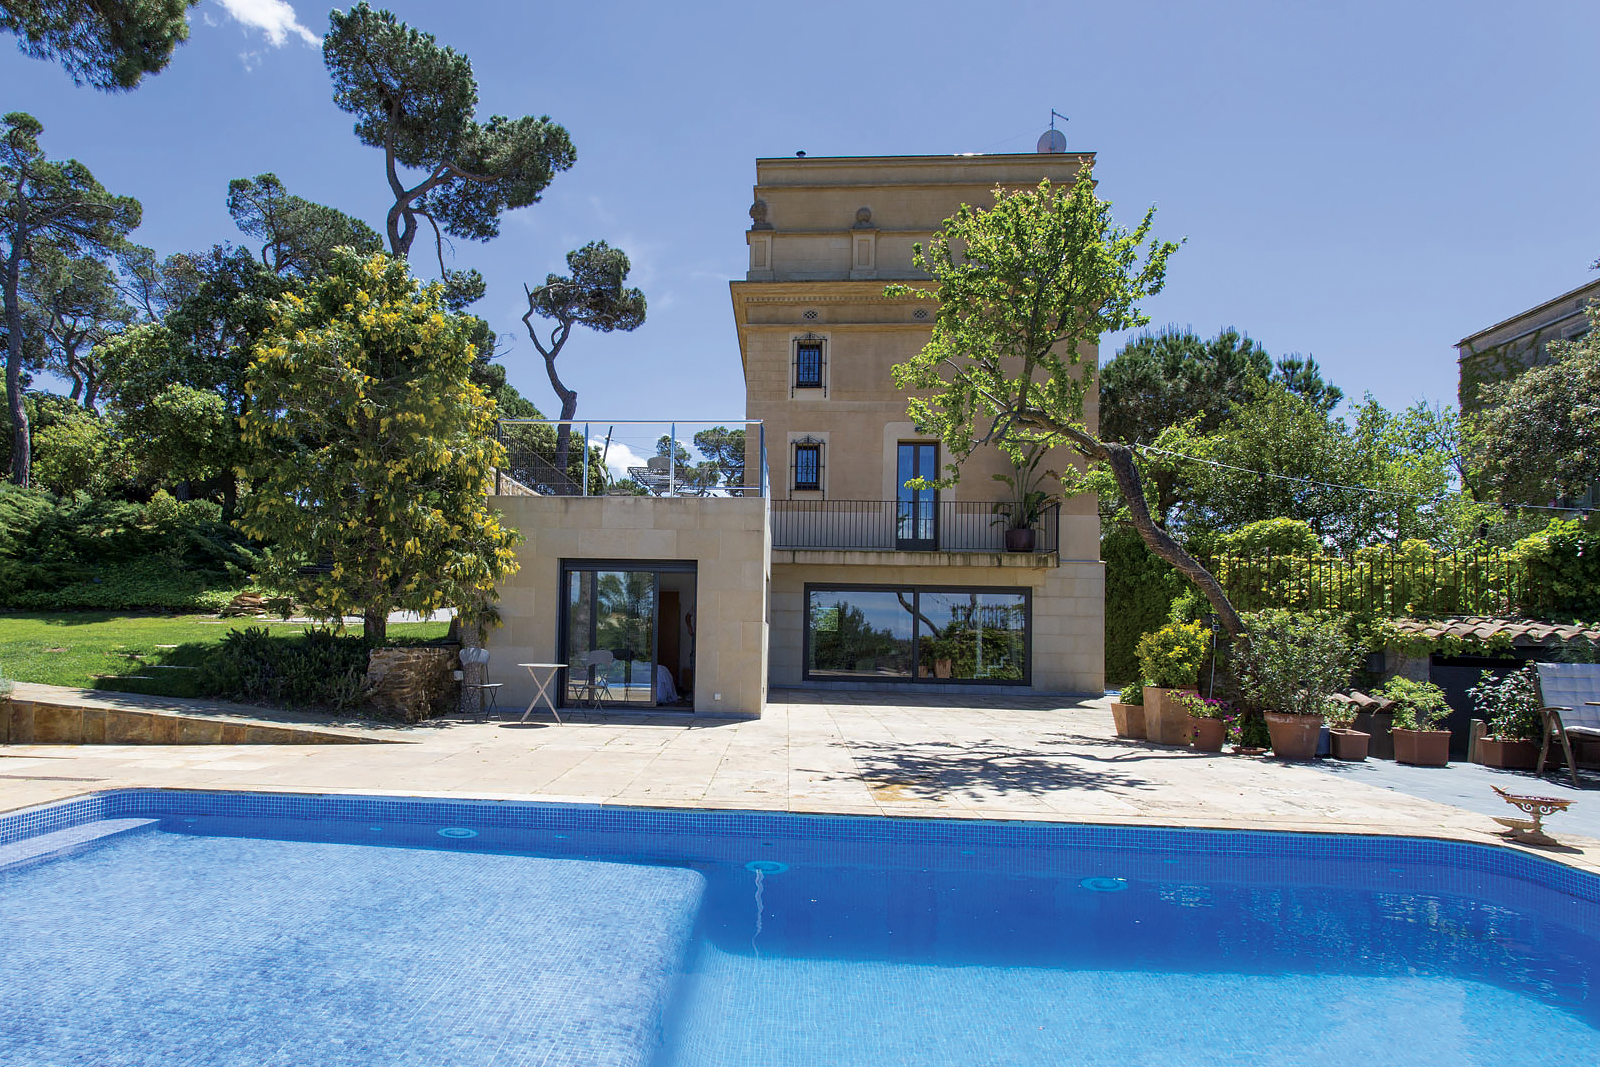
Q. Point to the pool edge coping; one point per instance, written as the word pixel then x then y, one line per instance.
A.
pixel 1464 836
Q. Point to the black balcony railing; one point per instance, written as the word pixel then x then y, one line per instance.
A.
pixel 892 525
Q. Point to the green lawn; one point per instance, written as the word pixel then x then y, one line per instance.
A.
pixel 101 650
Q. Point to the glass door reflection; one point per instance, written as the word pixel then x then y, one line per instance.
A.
pixel 916 510
pixel 610 630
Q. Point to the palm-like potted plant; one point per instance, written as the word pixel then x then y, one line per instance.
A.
pixel 1127 711
pixel 1288 667
pixel 1419 708
pixel 1021 514
pixel 1510 706
pixel 1169 660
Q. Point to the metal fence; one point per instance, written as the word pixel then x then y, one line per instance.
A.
pixel 890 525
pixel 1388 584
pixel 633 457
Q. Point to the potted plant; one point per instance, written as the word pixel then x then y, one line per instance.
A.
pixel 1209 721
pixel 1348 742
pixel 1127 711
pixel 1169 660
pixel 1021 514
pixel 1287 667
pixel 1510 706
pixel 1419 708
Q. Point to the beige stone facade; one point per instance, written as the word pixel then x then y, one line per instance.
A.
pixel 818 339
pixel 726 538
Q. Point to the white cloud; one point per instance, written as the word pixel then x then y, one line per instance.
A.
pixel 619 457
pixel 275 18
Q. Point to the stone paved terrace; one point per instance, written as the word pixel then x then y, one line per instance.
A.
pixel 995 757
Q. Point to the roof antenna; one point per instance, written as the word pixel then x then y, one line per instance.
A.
pixel 1053 140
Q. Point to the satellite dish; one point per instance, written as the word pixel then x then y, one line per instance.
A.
pixel 1052 140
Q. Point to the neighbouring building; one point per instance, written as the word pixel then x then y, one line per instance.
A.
pixel 815 566
pixel 1511 346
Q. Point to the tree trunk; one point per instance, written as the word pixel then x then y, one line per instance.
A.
pixel 375 625
pixel 569 408
pixel 1120 459
pixel 21 443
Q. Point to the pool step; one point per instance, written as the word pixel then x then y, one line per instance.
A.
pixel 60 843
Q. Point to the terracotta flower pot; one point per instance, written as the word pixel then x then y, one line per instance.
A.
pixel 1294 737
pixel 1508 755
pixel 1350 744
pixel 1208 734
pixel 1129 719
pixel 1166 721
pixel 1423 748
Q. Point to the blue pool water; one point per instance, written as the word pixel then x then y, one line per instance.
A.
pixel 147 927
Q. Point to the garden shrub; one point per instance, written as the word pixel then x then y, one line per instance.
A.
pixel 1509 704
pixel 1170 657
pixel 79 553
pixel 1294 660
pixel 1140 588
pixel 1418 705
pixel 318 668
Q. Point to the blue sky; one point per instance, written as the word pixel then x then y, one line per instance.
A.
pixel 1365 182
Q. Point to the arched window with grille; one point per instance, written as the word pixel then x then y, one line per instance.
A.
pixel 810 365
pixel 808 465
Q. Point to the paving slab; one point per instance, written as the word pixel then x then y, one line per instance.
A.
pixel 885 754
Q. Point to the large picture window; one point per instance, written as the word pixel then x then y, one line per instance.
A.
pixel 912 633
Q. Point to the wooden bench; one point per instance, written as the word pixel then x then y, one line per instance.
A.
pixel 1570 695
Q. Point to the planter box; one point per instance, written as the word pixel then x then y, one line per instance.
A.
pixel 1294 737
pixel 1208 734
pixel 1376 726
pixel 1350 744
pixel 1422 748
pixel 1129 719
pixel 1507 755
pixel 1166 722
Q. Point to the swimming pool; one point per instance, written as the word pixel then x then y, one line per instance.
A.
pixel 144 927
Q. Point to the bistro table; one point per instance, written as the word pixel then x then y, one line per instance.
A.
pixel 544 674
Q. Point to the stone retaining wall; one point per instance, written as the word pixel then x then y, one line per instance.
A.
pixel 412 684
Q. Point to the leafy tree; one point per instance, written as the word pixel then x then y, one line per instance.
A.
pixel 1023 288
pixel 371 452
pixel 109 44
pixel 416 101
pixel 1537 436
pixel 593 295
pixel 298 236
pixel 43 205
pixel 1161 379
pixel 180 384
pixel 724 452
pixel 73 449
pixel 73 305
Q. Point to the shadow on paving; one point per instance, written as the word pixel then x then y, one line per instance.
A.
pixel 933 771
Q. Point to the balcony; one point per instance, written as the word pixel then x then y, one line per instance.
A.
pixel 900 526
pixel 617 457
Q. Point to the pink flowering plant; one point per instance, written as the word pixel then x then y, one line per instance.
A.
pixel 1200 707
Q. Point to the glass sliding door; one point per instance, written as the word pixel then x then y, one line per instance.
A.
pixel 916 510
pixel 611 615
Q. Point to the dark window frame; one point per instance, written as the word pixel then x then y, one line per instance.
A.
pixel 808 374
pixel 815 449
pixel 1026 681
